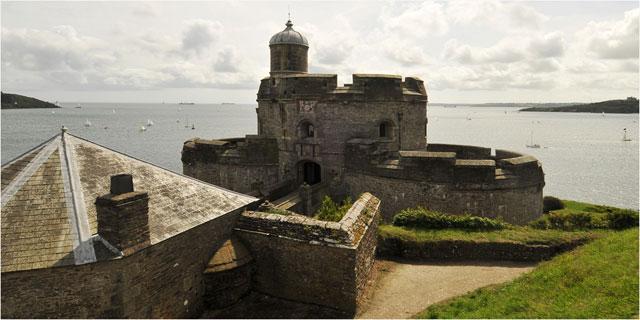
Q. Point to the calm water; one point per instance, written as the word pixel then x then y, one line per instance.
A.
pixel 583 155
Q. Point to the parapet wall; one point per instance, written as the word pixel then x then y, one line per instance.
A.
pixel 240 164
pixel 369 87
pixel 307 260
pixel 508 187
pixel 465 167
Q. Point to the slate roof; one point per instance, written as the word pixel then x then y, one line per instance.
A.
pixel 48 214
pixel 289 36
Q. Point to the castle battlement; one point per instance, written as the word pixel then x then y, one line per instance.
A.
pixel 463 167
pixel 365 87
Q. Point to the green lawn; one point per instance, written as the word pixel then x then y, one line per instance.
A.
pixel 597 280
pixel 525 235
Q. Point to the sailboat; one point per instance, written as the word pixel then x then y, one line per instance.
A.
pixel 149 123
pixel 193 126
pixel 533 145
pixel 624 137
pixel 87 123
pixel 143 128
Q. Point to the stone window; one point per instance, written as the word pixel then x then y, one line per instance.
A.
pixel 384 130
pixel 307 130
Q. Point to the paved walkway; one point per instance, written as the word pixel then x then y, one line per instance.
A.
pixel 404 289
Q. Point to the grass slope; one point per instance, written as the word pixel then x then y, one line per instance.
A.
pixel 597 280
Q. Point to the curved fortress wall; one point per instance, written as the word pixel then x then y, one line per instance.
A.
pixel 455 180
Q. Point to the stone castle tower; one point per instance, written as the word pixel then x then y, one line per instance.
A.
pixel 289 50
pixel 370 135
pixel 312 118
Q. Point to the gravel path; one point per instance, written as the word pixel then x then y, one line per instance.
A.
pixel 404 289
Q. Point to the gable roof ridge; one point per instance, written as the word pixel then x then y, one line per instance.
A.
pixel 83 250
pixel 28 171
pixel 26 153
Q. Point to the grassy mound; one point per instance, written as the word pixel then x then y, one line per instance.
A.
pixel 597 280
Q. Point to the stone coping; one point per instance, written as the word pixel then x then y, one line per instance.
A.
pixel 427 154
pixel 347 232
pixel 475 163
pixel 525 159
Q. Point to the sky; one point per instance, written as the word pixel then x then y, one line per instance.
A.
pixel 210 52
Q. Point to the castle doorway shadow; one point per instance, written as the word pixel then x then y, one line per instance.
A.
pixel 309 172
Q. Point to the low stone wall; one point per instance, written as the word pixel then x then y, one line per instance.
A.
pixel 307 260
pixel 162 281
pixel 469 250
pixel 513 205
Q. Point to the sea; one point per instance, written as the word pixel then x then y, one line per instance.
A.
pixel 583 155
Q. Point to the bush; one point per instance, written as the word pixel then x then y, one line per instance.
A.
pixel 611 218
pixel 279 211
pixel 551 203
pixel 622 219
pixel 330 211
pixel 424 219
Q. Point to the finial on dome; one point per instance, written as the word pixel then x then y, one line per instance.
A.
pixel 289 24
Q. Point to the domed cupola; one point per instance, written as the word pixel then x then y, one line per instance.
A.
pixel 289 49
pixel 289 36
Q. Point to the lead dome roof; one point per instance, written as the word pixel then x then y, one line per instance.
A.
pixel 289 36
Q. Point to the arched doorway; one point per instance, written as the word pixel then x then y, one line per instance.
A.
pixel 309 172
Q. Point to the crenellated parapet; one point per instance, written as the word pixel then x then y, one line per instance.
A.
pixel 365 87
pixel 251 150
pixel 246 165
pixel 465 167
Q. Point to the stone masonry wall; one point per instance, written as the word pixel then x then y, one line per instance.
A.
pixel 240 178
pixel 513 205
pixel 312 261
pixel 161 281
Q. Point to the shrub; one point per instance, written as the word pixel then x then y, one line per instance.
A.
pixel 425 219
pixel 551 203
pixel 622 219
pixel 593 218
pixel 330 211
pixel 279 211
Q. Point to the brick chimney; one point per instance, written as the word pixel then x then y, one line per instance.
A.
pixel 123 215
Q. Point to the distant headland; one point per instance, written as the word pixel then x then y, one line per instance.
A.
pixel 629 105
pixel 16 101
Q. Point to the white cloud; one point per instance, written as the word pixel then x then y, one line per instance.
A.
pixel 510 49
pixel 200 35
pixel 420 19
pixel 615 39
pixel 60 48
pixel 227 61
pixel 499 15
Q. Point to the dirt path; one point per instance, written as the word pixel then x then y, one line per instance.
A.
pixel 404 289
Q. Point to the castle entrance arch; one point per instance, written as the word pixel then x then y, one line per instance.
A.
pixel 309 172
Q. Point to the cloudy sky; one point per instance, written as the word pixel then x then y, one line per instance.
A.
pixel 466 51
